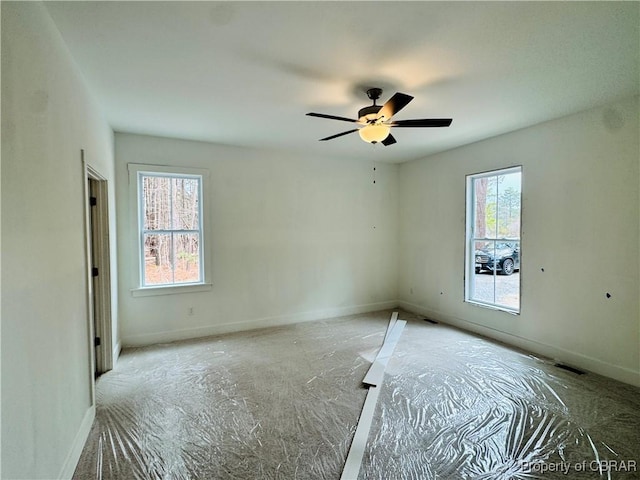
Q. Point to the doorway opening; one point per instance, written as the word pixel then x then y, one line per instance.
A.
pixel 98 271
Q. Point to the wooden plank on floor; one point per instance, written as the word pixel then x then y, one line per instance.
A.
pixel 376 371
pixel 356 451
pixel 376 374
pixel 392 322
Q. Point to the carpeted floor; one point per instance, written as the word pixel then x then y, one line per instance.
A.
pixel 283 403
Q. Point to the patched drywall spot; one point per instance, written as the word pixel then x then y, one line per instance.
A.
pixel 39 101
pixel 612 119
pixel 222 14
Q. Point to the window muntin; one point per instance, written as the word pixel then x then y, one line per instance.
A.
pixel 170 229
pixel 493 239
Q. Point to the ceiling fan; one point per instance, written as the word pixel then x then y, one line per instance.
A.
pixel 375 120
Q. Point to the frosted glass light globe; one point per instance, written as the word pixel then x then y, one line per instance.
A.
pixel 374 133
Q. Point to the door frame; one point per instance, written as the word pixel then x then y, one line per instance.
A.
pixel 98 256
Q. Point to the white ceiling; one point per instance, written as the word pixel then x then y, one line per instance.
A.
pixel 245 73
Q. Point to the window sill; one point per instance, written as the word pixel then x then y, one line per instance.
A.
pixel 493 307
pixel 171 290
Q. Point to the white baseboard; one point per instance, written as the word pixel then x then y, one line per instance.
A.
pixel 73 457
pixel 173 335
pixel 553 352
pixel 556 353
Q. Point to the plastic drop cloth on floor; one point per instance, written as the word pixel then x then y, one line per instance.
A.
pixel 283 403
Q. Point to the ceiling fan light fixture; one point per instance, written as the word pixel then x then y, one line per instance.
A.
pixel 375 120
pixel 374 133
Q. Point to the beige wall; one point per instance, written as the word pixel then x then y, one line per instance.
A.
pixel 47 118
pixel 295 238
pixel 580 223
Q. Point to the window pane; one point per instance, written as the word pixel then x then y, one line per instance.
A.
pixel 508 206
pixel 485 207
pixel 508 283
pixel 483 287
pixel 157 206
pixel 186 203
pixel 158 261
pixel 494 235
pixel 170 225
pixel 187 255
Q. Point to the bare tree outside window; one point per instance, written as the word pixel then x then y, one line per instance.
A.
pixel 171 229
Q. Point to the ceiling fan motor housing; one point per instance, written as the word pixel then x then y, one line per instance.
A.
pixel 370 110
pixel 374 94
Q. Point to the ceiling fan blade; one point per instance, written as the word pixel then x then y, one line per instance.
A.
pixel 388 141
pixel 423 122
pixel 331 117
pixel 394 105
pixel 338 135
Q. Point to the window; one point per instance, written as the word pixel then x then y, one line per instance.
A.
pixel 493 249
pixel 169 228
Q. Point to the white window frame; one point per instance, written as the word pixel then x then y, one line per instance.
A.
pixel 471 239
pixel 136 172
